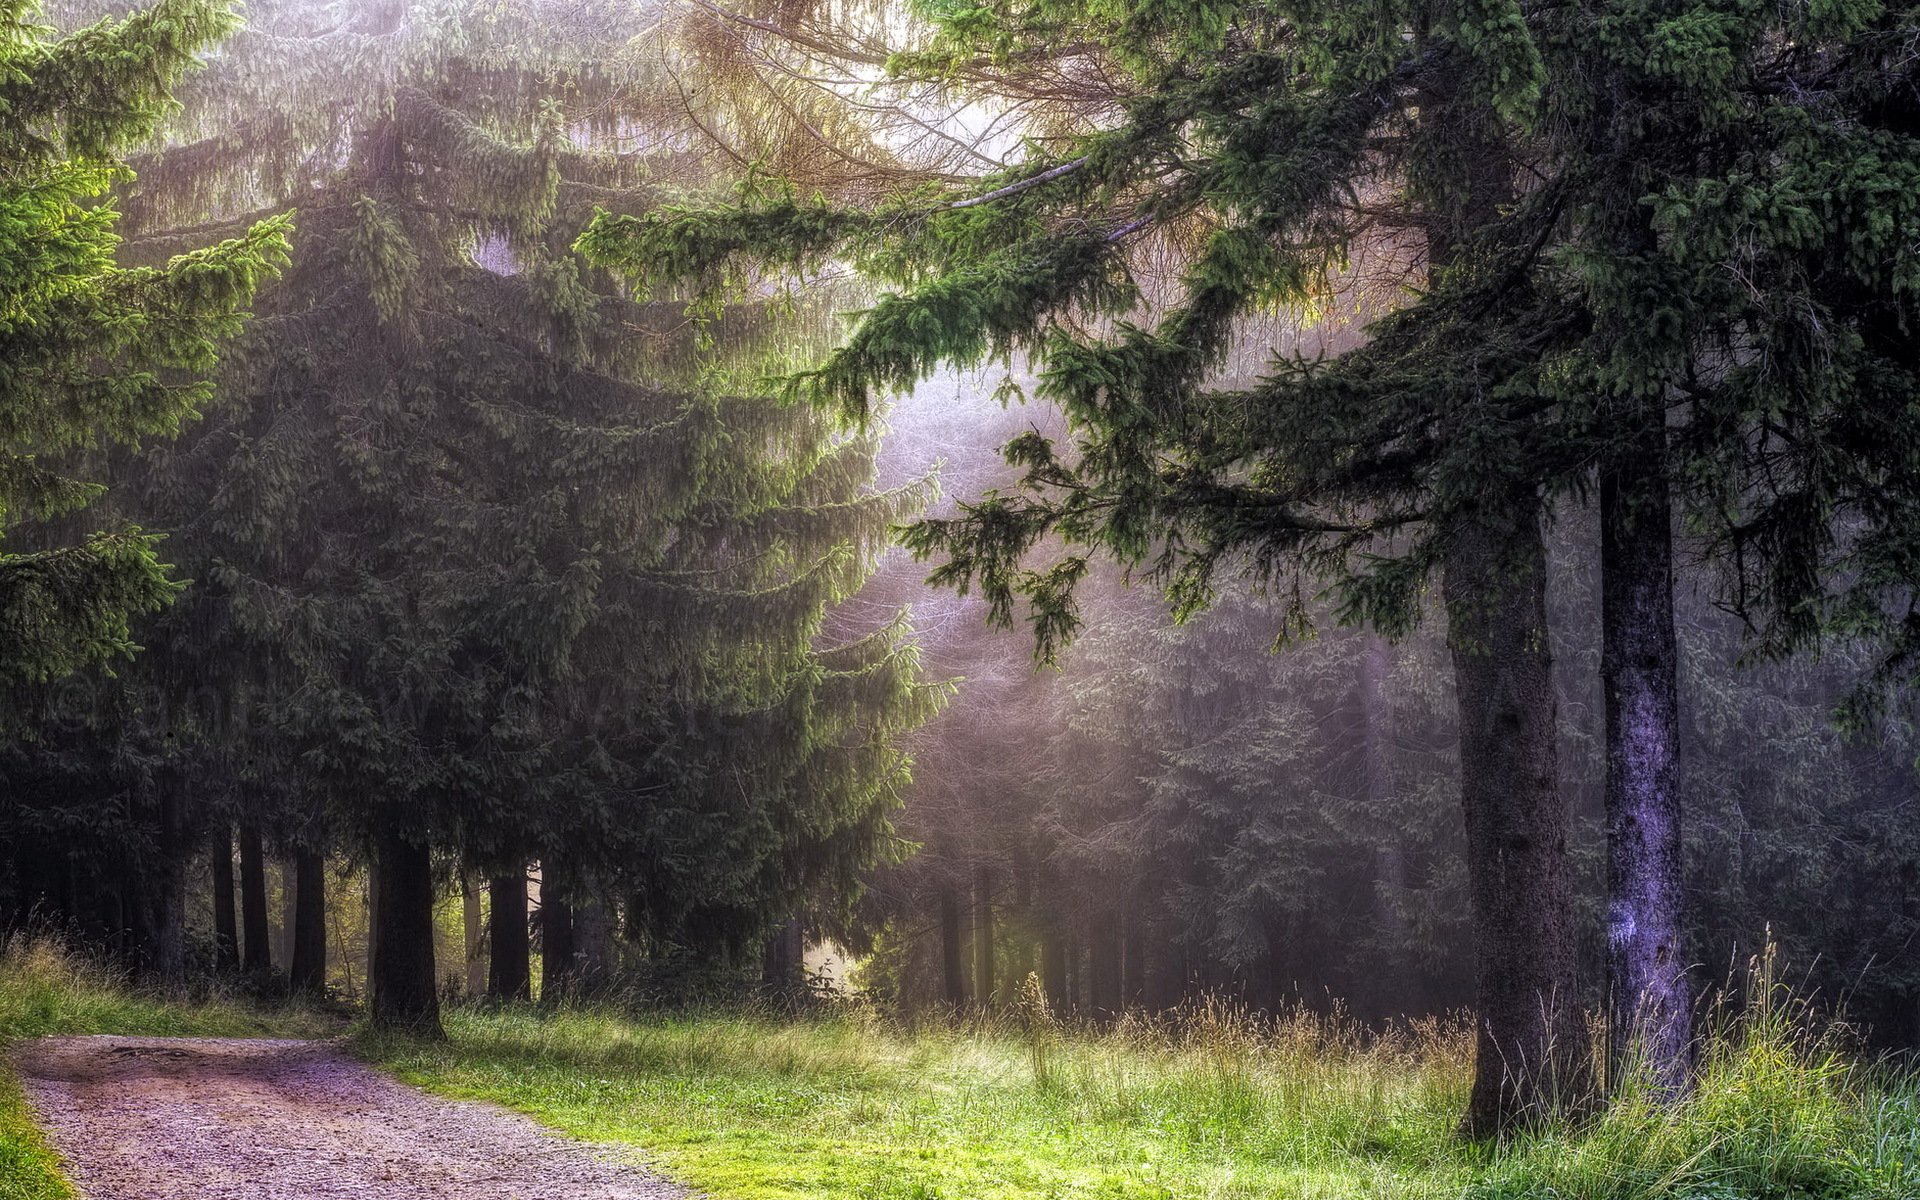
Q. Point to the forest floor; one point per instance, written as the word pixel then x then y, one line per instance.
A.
pixel 1211 1104
pixel 272 1119
pixel 853 1105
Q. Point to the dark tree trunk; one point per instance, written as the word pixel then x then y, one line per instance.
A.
pixel 783 960
pixel 983 987
pixel 226 933
pixel 1390 867
pixel 593 941
pixel 953 965
pixel 1531 1045
pixel 1649 1005
pixel 1103 968
pixel 400 982
pixel 307 965
pixel 1053 965
pixel 509 967
pixel 1020 939
pixel 557 969
pixel 255 956
pixel 373 927
pixel 167 949
pixel 283 931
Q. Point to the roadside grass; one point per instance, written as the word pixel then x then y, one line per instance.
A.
pixel 1212 1104
pixel 46 989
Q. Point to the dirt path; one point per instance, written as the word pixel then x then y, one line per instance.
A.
pixel 223 1119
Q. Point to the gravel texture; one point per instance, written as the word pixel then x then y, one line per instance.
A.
pixel 226 1118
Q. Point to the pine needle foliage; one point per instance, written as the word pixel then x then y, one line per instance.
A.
pixel 93 352
pixel 475 565
pixel 1704 217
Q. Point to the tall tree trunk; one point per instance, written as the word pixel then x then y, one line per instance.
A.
pixel 557 968
pixel 400 982
pixel 1390 865
pixel 1020 939
pixel 307 965
pixel 783 960
pixel 1649 1004
pixel 1053 965
pixel 476 953
pixel 255 956
pixel 168 951
pixel 592 937
pixel 1103 967
pixel 983 987
pixel 1530 1045
pixel 953 966
pixel 226 933
pixel 283 929
pixel 373 927
pixel 509 967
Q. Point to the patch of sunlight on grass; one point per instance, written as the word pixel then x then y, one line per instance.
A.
pixel 1210 1104
pixel 749 1108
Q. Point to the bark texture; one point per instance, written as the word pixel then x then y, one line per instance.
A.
pixel 783 960
pixel 256 955
pixel 400 976
pixel 1649 1000
pixel 1530 1049
pixel 476 951
pixel 557 967
pixel 307 966
pixel 509 966
pixel 983 981
pixel 226 931
pixel 953 963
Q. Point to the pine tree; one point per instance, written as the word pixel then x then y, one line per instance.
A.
pixel 482 587
pixel 1580 188
pixel 92 352
pixel 1251 142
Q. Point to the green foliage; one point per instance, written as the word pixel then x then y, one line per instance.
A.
pixel 93 353
pixel 464 565
pixel 1708 215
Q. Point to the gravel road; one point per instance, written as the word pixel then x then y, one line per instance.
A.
pixel 223 1119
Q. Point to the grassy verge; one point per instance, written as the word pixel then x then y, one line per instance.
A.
pixel 1216 1106
pixel 758 1109
pixel 46 990
pixel 1213 1106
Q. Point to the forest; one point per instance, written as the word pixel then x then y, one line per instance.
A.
pixel 1126 599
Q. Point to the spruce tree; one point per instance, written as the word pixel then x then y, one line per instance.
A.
pixel 1582 190
pixel 93 352
pixel 481 585
pixel 1252 142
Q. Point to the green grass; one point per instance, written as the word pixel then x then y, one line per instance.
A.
pixel 1214 1106
pixel 46 990
pixel 761 1108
